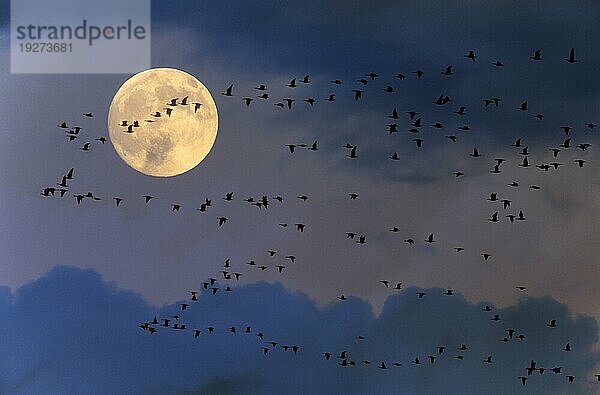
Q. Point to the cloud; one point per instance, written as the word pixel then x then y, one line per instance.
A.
pixel 72 332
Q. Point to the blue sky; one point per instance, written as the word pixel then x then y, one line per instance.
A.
pixel 138 257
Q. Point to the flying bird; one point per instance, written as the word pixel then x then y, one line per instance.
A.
pixel 537 55
pixel 571 58
pixel 470 55
pixel 448 71
pixel 228 91
pixel 475 153
pixel 357 94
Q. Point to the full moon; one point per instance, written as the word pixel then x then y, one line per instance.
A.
pixel 163 122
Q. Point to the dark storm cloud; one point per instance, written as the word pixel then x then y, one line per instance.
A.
pixel 71 332
pixel 345 40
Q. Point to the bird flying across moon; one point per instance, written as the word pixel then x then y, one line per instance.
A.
pixel 172 137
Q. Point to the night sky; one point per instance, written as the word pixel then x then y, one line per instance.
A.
pixel 80 279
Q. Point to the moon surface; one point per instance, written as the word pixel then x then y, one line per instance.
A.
pixel 163 146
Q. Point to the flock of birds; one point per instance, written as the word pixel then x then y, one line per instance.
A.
pixel 415 124
pixel 176 322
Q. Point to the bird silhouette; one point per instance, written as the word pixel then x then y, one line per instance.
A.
pixel 352 154
pixel 470 55
pixel 228 91
pixel 537 55
pixel 289 102
pixel 571 58
pixel 448 71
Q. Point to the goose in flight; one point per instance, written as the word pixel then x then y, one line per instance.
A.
pixel 475 153
pixel 352 153
pixel 228 91
pixel 571 58
pixel 470 55
pixel 448 71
